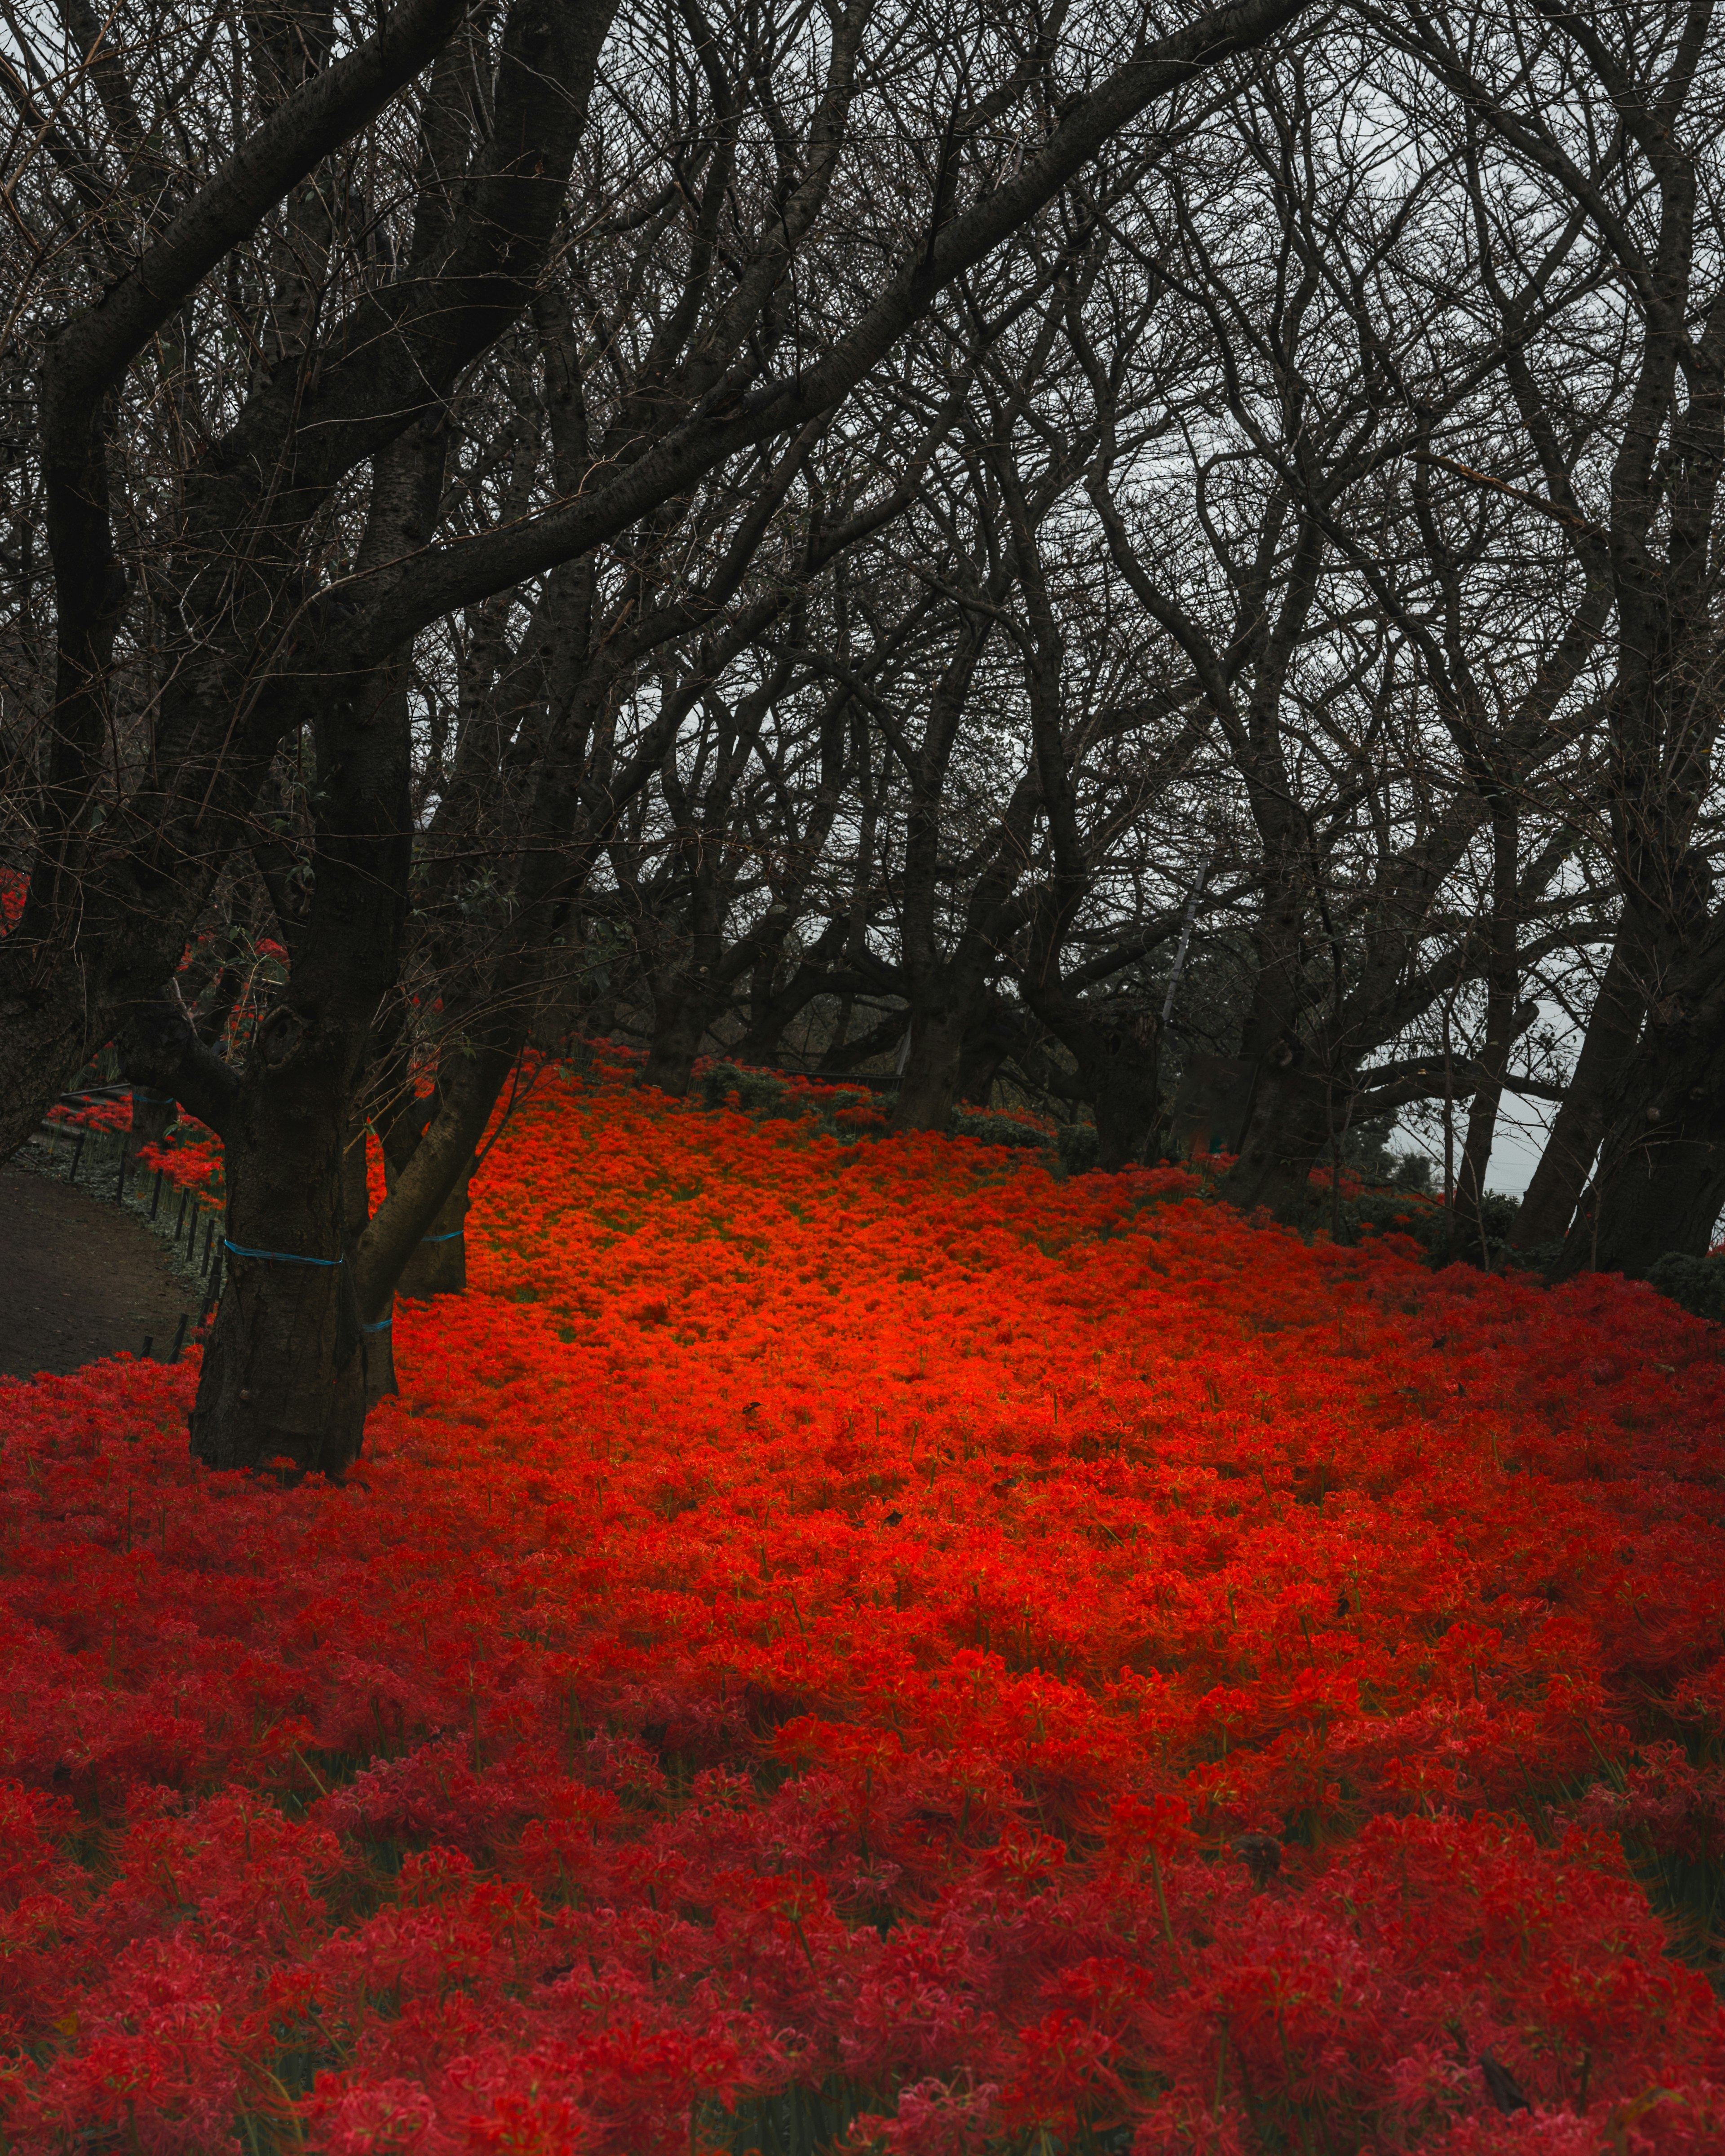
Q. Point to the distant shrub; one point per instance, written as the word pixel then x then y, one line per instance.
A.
pixel 1696 1284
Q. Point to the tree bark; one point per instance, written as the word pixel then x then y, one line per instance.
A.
pixel 774 1003
pixel 1661 1182
pixel 376 1338
pixel 681 1014
pixel 1287 1134
pixel 438 1266
pixel 1125 1096
pixel 987 1042
pixel 1660 1185
pixel 153 1115
pixel 284 1372
pixel 469 1082
pixel 1119 1065
pixel 1549 1206
pixel 1657 1196
pixel 930 1084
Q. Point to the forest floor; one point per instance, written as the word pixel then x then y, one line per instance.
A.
pixel 849 1645
pixel 87 1279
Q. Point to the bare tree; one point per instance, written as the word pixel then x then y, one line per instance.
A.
pixel 376 243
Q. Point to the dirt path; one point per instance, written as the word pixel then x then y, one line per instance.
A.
pixel 82 1278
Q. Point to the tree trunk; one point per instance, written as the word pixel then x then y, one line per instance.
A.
pixel 153 1115
pixel 284 1372
pixel 1549 1205
pixel 1660 1183
pixel 1287 1135
pixel 679 1023
pixel 1653 1195
pixel 295 1192
pixel 438 1266
pixel 1213 1103
pixel 377 1339
pixel 987 1044
pixel 834 1049
pixel 930 1083
pixel 1127 1101
pixel 774 1004
pixel 1119 1063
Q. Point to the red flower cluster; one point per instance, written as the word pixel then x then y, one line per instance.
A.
pixel 109 1115
pixel 867 1646
pixel 190 1158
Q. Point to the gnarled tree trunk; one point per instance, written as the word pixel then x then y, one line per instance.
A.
pixel 1660 1183
pixel 1660 1188
pixel 1213 1103
pixel 929 1085
pixel 284 1372
pixel 680 1013
pixel 1126 1100
pixel 1287 1135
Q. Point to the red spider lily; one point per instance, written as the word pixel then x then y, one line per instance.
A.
pixel 855 1642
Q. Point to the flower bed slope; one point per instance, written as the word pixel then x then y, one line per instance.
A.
pixel 871 1645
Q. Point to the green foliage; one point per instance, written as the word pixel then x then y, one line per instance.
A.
pixel 1391 1211
pixel 770 1097
pixel 1444 1235
pixel 1696 1284
pixel 998 1130
pixel 1076 1148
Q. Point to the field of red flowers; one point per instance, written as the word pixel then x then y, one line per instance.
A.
pixel 857 1643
